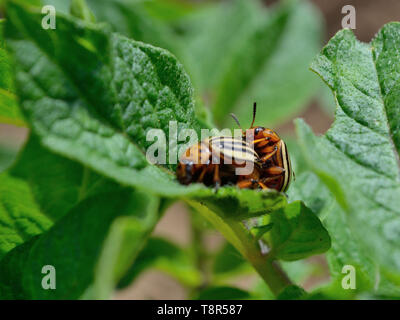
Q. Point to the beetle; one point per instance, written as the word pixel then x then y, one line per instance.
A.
pixel 207 162
pixel 277 169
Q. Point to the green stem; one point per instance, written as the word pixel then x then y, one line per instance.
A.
pixel 268 269
pixel 200 255
pixel 237 234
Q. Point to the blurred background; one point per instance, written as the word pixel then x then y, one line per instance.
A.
pixel 235 52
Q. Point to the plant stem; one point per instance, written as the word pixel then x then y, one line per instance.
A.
pixel 201 256
pixel 268 269
pixel 237 234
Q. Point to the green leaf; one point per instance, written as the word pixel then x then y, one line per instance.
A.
pixel 80 10
pixel 121 247
pixel 135 19
pixel 299 271
pixel 72 246
pixel 360 152
pixel 141 104
pixel 345 247
pixel 153 22
pixel 224 293
pixel 9 111
pixel 213 34
pixel 109 91
pixel 7 156
pixel 259 231
pixel 233 203
pixel 39 189
pixel 228 261
pixel 297 233
pixel 292 293
pixel 20 217
pixel 125 98
pixel 170 10
pixel 57 183
pixel 167 257
pixel 270 67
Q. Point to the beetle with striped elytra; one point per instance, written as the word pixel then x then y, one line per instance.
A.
pixel 267 152
pixel 213 161
pixel 272 150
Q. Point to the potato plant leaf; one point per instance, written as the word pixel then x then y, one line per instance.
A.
pixel 57 183
pixel 39 189
pixel 213 34
pixel 37 193
pixel 76 236
pixel 360 152
pixel 165 256
pixel 345 248
pixel 296 233
pixel 20 216
pixel 228 261
pixel 259 231
pixel 80 9
pixel 292 293
pixel 9 111
pixel 134 19
pixel 121 247
pixel 224 293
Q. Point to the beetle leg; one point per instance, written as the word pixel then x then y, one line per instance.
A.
pixel 262 185
pixel 265 180
pixel 269 155
pixel 201 176
pixel 245 183
pixel 275 171
pixel 260 143
pixel 259 140
pixel 267 149
pixel 217 179
pixel 250 183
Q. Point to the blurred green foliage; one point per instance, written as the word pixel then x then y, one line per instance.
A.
pixel 236 52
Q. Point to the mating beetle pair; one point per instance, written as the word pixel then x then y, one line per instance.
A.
pixel 206 161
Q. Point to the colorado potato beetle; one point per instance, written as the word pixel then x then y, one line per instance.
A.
pixel 207 162
pixel 277 169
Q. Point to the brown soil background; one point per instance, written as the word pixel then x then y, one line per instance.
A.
pixel 175 225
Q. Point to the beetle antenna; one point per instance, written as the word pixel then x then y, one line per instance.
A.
pixel 254 113
pixel 236 120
